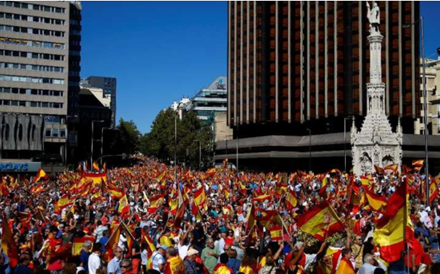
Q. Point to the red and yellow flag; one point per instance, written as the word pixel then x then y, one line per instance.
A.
pixel 124 206
pixel 418 163
pixel 433 191
pixel 276 232
pixel 392 168
pixel 40 175
pixel 112 242
pixel 200 196
pixel 320 222
pixel 8 243
pixel 155 203
pixel 65 201
pixel 78 244
pixel 377 202
pixel 262 198
pixel 345 267
pixel 389 233
pixel 291 200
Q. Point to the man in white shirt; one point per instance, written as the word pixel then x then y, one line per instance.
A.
pixel 158 259
pixel 94 258
pixel 369 265
pixel 221 242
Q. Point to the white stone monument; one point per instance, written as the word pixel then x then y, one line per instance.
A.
pixel 376 143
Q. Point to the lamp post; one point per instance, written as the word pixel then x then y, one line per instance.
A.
pixel 102 141
pixel 310 149
pixel 91 148
pixel 345 141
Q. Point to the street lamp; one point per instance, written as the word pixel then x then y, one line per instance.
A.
pixel 93 129
pixel 345 141
pixel 310 149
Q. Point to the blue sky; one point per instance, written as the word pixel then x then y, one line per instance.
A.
pixel 162 51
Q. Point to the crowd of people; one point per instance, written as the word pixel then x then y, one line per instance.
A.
pixel 157 219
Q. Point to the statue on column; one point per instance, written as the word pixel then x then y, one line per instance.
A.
pixel 373 16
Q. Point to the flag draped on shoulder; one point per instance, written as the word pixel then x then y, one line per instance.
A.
pixel 320 222
pixel 345 267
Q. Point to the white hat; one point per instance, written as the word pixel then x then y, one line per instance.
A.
pixel 192 252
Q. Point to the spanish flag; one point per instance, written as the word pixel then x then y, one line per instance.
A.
pixel 365 181
pixel 40 175
pixel 8 243
pixel 65 201
pixel 262 198
pixel 173 206
pixel 276 232
pixel 227 193
pixel 377 202
pixel 78 244
pixel 222 269
pixel 393 168
pixel 161 176
pixel 291 200
pixel 115 193
pixel 210 172
pixel 433 191
pixel 378 169
pixel 200 196
pixel 112 243
pixel 323 185
pixel 124 206
pixel 196 212
pixel 345 267
pixel 155 203
pixel 389 233
pixel 320 222
pixel 418 163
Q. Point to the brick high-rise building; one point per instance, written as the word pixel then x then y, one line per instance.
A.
pixel 293 65
pixel 297 74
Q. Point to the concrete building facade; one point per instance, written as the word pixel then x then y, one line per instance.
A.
pixel 108 85
pixel 35 62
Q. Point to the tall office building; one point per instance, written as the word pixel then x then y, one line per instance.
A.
pixel 39 76
pixel 293 65
pixel 297 74
pixel 108 85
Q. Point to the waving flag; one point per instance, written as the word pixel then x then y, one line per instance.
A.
pixel 345 267
pixel 124 206
pixel 112 243
pixel 377 202
pixel 95 166
pixel 40 175
pixel 433 191
pixel 65 201
pixel 291 200
pixel 200 196
pixel 8 243
pixel 320 222
pixel 276 232
pixel 389 232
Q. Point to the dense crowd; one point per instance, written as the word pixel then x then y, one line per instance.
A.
pixel 153 218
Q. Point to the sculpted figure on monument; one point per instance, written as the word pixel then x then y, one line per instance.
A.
pixel 373 16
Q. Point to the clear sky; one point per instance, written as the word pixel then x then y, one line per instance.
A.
pixel 162 51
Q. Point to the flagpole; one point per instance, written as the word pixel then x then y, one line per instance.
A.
pixel 405 222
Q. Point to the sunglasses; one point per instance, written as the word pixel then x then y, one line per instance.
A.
pixel 125 266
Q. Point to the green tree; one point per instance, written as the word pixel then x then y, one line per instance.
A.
pixel 127 138
pixel 192 134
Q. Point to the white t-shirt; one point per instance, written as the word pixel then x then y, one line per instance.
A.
pixel 183 250
pixel 94 263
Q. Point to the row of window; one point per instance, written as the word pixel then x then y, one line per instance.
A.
pixel 28 91
pixel 36 19
pixel 32 6
pixel 31 43
pixel 34 55
pixel 31 67
pixel 17 103
pixel 55 132
pixel 45 32
pixel 28 79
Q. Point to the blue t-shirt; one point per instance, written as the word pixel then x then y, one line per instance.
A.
pixel 84 259
pixel 103 241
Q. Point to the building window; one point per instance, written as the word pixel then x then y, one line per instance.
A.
pixel 47 132
pixel 37 80
pixel 55 132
